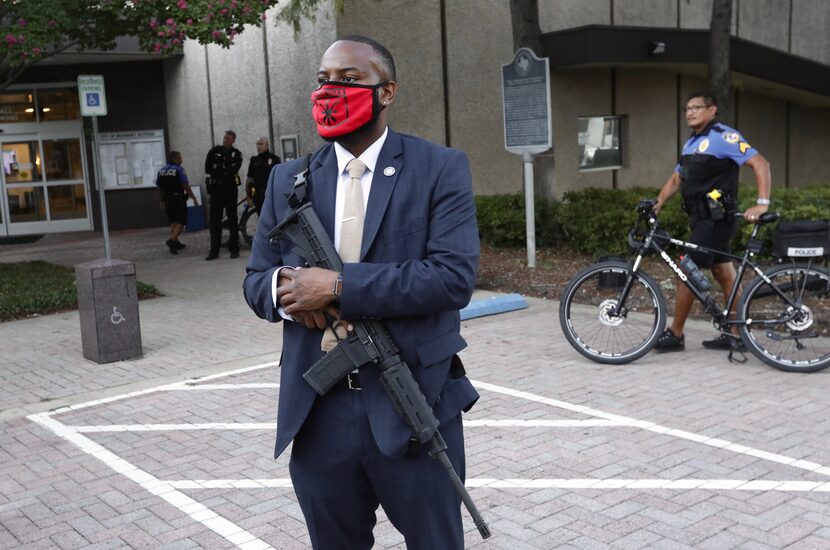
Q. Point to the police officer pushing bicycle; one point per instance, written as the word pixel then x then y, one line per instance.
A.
pixel 707 178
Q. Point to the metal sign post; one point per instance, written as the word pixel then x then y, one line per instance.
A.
pixel 527 127
pixel 93 100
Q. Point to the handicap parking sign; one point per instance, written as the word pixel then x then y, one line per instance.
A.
pixel 92 95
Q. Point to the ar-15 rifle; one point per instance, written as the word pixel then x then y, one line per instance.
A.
pixel 368 343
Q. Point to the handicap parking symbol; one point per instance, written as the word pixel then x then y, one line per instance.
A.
pixel 93 99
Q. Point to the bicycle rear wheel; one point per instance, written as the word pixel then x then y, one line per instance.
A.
pixel 247 225
pixel 587 304
pixel 793 339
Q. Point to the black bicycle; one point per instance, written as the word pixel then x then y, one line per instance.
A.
pixel 613 312
pixel 248 219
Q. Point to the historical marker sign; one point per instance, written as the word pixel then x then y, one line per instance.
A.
pixel 526 93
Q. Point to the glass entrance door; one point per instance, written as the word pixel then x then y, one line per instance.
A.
pixel 42 186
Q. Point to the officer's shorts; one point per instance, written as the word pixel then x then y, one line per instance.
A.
pixel 715 235
pixel 177 210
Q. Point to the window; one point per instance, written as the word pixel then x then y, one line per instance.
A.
pixel 39 105
pixel 21 161
pixel 58 104
pixel 63 159
pixel 599 143
pixel 17 107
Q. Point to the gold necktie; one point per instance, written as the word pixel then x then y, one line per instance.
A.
pixel 351 235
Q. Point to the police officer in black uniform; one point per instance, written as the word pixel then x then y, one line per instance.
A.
pixel 707 178
pixel 259 168
pixel 222 165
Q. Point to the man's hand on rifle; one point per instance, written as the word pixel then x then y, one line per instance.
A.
pixel 306 295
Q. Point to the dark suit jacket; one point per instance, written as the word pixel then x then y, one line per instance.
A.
pixel 418 268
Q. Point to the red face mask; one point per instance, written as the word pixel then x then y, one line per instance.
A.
pixel 342 108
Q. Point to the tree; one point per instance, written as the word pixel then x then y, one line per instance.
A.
pixel 32 30
pixel 720 79
pixel 524 15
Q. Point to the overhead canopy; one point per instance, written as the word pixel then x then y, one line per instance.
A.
pixel 756 67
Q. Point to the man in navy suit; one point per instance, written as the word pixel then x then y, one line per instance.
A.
pixel 416 267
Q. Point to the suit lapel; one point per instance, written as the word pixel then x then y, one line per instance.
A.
pixel 382 186
pixel 324 187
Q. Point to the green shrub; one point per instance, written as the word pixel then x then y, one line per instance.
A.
pixel 37 288
pixel 805 203
pixel 501 220
pixel 597 221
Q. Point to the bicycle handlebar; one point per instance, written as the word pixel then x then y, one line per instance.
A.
pixel 645 208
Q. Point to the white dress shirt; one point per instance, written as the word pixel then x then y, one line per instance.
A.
pixel 369 157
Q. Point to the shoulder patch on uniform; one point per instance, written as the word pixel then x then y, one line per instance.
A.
pixel 744 146
pixel 731 137
pixel 703 145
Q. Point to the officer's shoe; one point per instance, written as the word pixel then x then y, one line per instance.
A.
pixel 725 342
pixel 180 245
pixel 235 254
pixel 669 342
pixel 211 256
pixel 171 244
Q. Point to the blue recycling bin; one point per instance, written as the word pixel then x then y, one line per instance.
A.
pixel 195 218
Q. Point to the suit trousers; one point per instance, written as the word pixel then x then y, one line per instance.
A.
pixel 221 201
pixel 340 477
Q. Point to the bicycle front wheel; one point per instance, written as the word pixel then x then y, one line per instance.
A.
pixel 247 225
pixel 793 337
pixel 587 313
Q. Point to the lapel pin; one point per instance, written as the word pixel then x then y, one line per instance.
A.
pixel 389 171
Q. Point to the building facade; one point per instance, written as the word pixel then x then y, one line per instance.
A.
pixel 620 72
pixel 48 182
pixel 615 102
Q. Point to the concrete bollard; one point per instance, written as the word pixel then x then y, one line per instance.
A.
pixel 108 305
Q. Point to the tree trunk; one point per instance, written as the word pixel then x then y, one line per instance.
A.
pixel 720 79
pixel 524 15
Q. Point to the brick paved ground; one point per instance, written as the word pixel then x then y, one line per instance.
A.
pixel 549 426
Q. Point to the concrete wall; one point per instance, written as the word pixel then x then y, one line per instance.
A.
pixel 808 146
pixel 478 41
pixel 556 15
pixel 645 13
pixel 697 14
pixel 649 101
pixel 765 22
pixel 810 37
pixel 293 63
pixel 238 90
pixel 415 43
pixel 188 119
pixel 763 123
pixel 476 54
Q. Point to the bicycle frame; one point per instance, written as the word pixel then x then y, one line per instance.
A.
pixel 719 316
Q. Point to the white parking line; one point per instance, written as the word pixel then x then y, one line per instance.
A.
pixel 211 387
pixel 656 428
pixel 196 510
pixel 170 490
pixel 500 423
pixel 492 483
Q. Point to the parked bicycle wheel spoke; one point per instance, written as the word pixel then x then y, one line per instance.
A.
pixel 790 336
pixel 598 328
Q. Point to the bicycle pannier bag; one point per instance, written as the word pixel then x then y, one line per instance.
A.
pixel 801 239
